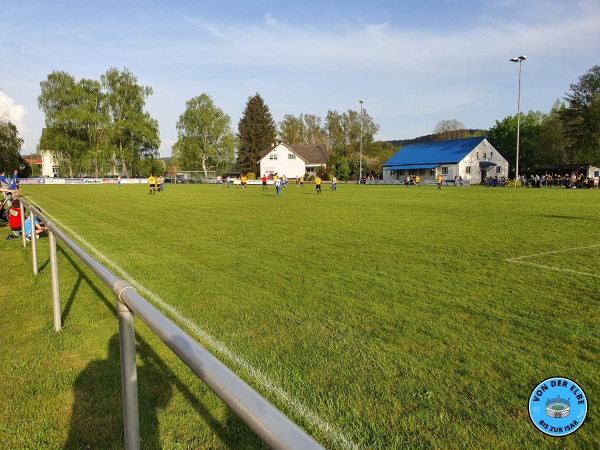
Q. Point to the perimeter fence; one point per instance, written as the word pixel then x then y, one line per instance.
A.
pixel 270 424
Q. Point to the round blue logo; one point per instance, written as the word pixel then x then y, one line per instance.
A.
pixel 557 406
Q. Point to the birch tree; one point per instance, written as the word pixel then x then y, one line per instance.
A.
pixel 205 140
pixel 133 133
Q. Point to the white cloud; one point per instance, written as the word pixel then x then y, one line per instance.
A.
pixel 408 71
pixel 271 21
pixel 383 48
pixel 12 112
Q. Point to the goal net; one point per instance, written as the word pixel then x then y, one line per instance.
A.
pixel 191 176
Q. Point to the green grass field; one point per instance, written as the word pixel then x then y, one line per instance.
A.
pixel 375 317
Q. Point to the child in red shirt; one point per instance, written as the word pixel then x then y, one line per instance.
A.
pixel 15 220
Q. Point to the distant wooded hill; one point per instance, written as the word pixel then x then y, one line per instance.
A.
pixel 438 137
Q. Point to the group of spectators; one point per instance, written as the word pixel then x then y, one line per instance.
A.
pixel 11 212
pixel 13 184
pixel 494 181
pixel 568 181
pixel 367 177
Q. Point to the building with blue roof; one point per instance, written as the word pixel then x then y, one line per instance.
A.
pixel 473 160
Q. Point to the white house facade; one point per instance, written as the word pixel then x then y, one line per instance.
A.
pixel 473 160
pixel 50 163
pixel 293 161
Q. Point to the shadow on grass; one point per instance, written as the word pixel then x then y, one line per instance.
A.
pixel 565 217
pixel 97 415
pixel 42 268
pixel 82 277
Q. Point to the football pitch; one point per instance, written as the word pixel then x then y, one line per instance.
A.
pixel 375 317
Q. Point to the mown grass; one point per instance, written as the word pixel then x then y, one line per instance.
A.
pixel 392 314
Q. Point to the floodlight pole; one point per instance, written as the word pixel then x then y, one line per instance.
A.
pixel 361 135
pixel 518 59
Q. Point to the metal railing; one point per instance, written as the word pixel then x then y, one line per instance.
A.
pixel 271 425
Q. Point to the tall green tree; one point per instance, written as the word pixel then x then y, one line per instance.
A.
pixel 375 155
pixel 315 132
pixel 93 125
pixel 205 138
pixel 504 137
pixel 60 100
pixel 335 132
pixel 133 133
pixel 554 144
pixel 10 146
pixel 342 169
pixel 256 132
pixel 344 132
pixel 581 119
pixel 94 120
pixel 292 129
pixel 305 129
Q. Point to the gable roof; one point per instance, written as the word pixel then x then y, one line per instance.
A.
pixel 432 154
pixel 311 153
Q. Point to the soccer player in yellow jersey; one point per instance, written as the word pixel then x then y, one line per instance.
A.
pixel 318 184
pixel 439 181
pixel 152 184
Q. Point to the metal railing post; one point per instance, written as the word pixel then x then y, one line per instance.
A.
pixel 129 386
pixel 55 286
pixel 23 224
pixel 33 242
pixel 270 424
pixel 275 429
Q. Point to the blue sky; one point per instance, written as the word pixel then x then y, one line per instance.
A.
pixel 413 63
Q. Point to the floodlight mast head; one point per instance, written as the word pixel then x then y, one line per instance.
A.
pixel 519 58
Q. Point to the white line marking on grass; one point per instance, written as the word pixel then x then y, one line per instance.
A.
pixel 519 260
pixel 334 435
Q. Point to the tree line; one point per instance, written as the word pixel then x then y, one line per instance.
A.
pixel 101 127
pixel 568 134
pixel 206 140
pixel 98 127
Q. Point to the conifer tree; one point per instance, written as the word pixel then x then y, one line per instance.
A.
pixel 256 132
